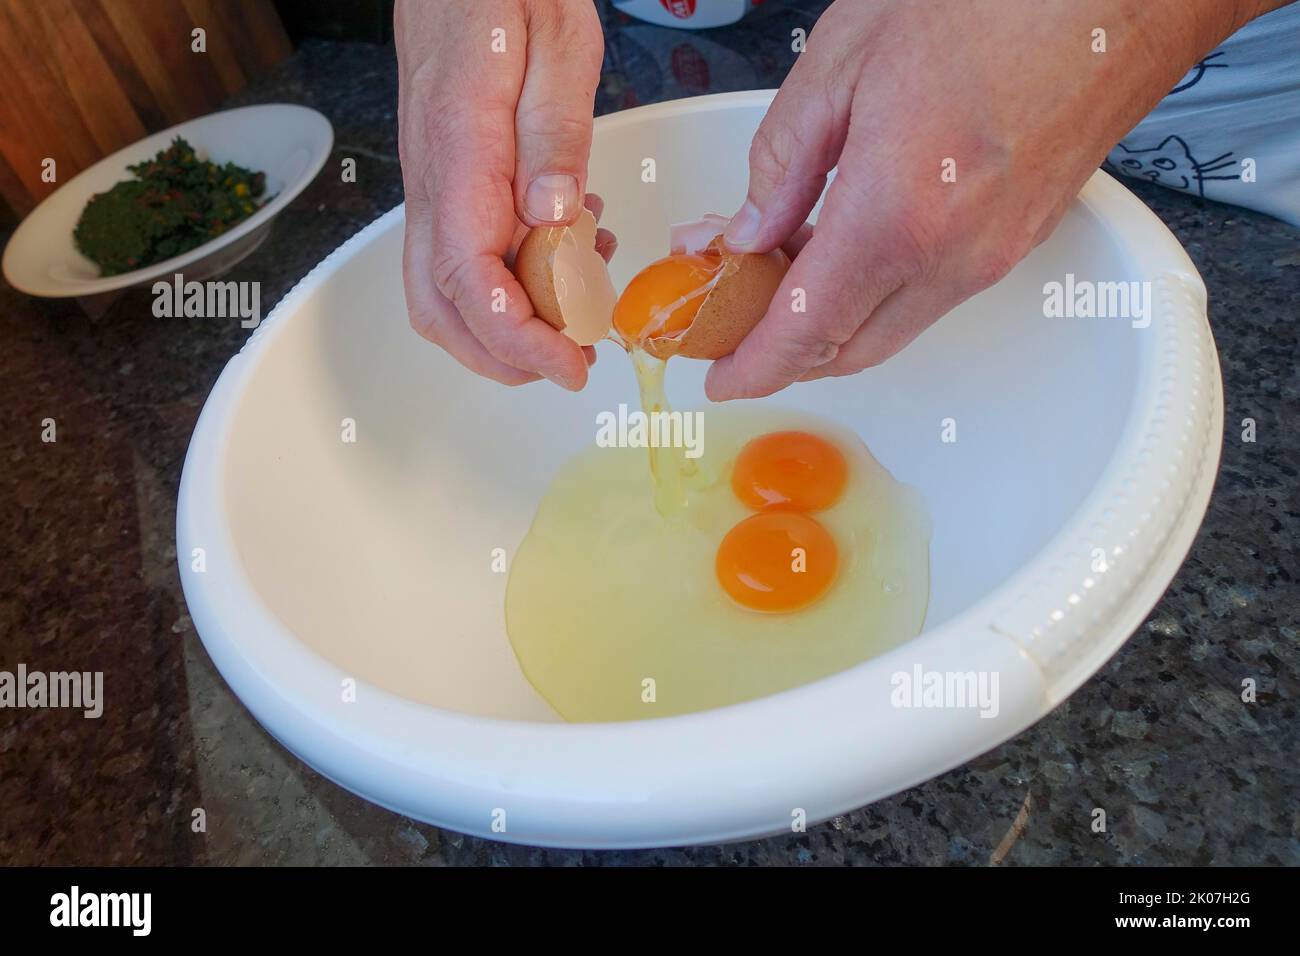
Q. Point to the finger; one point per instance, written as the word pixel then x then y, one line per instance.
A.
pixel 589 352
pixel 458 166
pixel 895 323
pixel 467 270
pixel 794 245
pixel 553 119
pixel 606 244
pixel 837 294
pixel 595 205
pixel 516 240
pixel 454 336
pixel 910 310
pixel 472 229
pixel 435 318
pixel 497 310
pixel 796 146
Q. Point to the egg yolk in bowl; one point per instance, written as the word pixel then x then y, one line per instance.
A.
pixel 792 554
pixel 777 561
pixel 789 470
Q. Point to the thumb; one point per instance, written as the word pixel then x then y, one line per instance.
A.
pixel 554 117
pixel 797 144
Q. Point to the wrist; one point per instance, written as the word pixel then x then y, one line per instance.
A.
pixel 1257 8
pixel 1213 21
pixel 1178 33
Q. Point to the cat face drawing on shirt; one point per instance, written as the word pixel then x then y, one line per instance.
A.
pixel 1171 163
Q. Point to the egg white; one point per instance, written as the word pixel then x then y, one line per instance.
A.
pixel 615 611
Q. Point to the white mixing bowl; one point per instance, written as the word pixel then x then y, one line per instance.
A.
pixel 347 592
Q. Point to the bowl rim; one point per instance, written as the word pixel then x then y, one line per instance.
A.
pixel 45 287
pixel 733 772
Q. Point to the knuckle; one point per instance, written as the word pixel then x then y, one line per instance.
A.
pixel 545 20
pixel 769 164
pixel 442 120
pixel 860 363
pixel 459 126
pixel 920 235
pixel 453 274
pixel 807 348
pixel 575 23
pixel 557 125
pixel 748 383
pixel 909 231
pixel 427 326
pixel 988 267
pixel 461 279
pixel 862 354
pixel 991 268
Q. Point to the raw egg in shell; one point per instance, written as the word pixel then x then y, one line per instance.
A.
pixel 700 301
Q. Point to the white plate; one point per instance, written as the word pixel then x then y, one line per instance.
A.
pixel 327 562
pixel 288 143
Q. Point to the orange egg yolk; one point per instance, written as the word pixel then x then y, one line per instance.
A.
pixel 791 471
pixel 777 561
pixel 662 299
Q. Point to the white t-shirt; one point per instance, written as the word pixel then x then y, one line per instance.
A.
pixel 1234 118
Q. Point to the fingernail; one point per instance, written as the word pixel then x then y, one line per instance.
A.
pixel 607 249
pixel 743 228
pixel 563 381
pixel 553 197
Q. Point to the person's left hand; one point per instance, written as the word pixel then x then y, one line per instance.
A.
pixel 1010 90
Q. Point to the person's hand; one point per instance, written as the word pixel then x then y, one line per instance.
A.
pixel 1011 90
pixel 495 115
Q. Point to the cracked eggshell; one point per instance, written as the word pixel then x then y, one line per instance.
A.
pixel 567 280
pixel 738 300
pixel 696 235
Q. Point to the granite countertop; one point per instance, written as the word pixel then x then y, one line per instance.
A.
pixel 1160 737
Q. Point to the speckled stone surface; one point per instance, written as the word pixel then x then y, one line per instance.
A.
pixel 1160 738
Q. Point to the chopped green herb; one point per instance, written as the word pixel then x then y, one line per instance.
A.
pixel 175 203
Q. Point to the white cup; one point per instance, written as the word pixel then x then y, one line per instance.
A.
pixel 688 14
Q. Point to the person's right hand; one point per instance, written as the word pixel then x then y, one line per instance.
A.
pixel 495 115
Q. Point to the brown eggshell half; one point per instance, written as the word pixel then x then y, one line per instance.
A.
pixel 737 302
pixel 567 280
